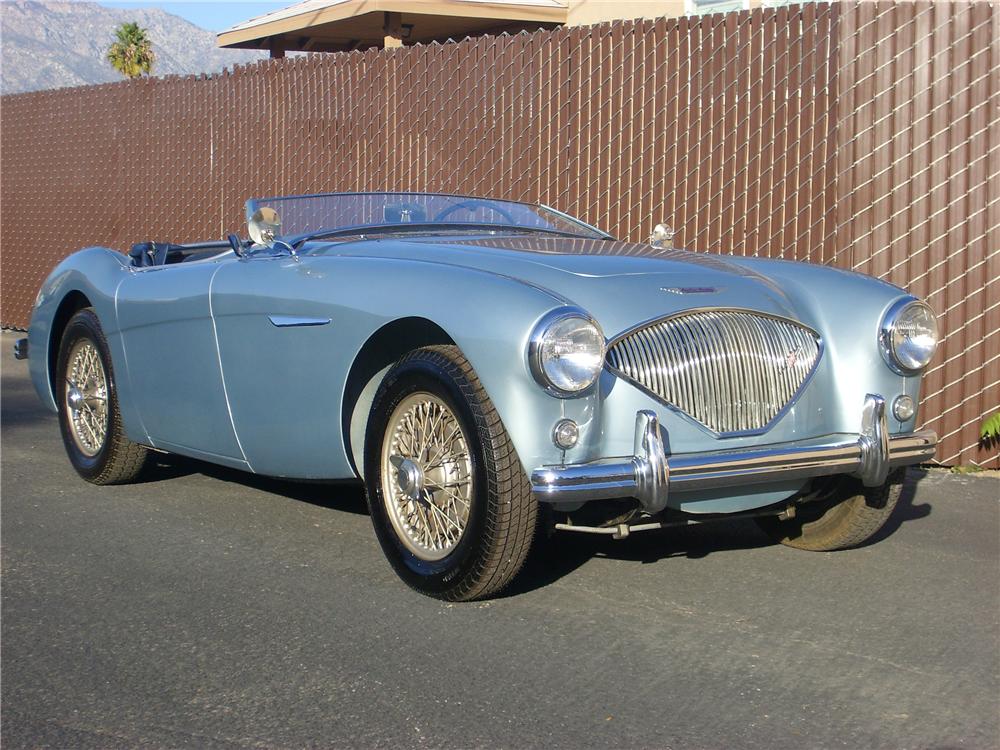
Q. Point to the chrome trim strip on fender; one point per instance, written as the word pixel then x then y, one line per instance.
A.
pixel 650 475
pixel 293 321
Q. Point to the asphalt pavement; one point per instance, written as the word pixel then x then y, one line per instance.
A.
pixel 211 609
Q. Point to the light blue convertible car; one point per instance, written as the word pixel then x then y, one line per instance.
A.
pixel 488 368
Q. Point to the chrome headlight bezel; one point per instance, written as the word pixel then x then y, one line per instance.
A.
pixel 888 345
pixel 536 351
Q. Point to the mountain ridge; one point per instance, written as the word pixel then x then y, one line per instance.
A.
pixel 48 45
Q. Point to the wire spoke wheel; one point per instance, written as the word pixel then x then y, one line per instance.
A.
pixel 449 500
pixel 89 418
pixel 426 476
pixel 86 395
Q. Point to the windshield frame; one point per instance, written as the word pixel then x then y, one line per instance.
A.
pixel 587 231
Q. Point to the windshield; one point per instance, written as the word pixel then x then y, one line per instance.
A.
pixel 345 213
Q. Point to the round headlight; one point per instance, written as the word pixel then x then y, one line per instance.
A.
pixel 909 336
pixel 567 352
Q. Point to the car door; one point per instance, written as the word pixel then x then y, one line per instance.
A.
pixel 172 359
pixel 285 348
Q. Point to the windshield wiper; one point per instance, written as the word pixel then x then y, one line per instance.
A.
pixel 363 229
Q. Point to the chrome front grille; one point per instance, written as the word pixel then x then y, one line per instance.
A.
pixel 731 370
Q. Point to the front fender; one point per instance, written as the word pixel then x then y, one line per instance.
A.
pixel 847 308
pixel 490 318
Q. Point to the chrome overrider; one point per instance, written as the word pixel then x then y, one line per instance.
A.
pixel 650 475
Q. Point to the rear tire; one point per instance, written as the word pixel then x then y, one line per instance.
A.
pixel 848 514
pixel 88 406
pixel 449 500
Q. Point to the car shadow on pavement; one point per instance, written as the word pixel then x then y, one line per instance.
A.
pixel 347 496
pixel 556 555
pixel 563 552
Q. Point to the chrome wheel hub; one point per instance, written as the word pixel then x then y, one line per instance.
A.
pixel 86 397
pixel 426 476
pixel 74 397
pixel 410 477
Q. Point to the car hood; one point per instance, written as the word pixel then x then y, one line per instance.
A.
pixel 619 283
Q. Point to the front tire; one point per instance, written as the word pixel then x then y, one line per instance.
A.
pixel 846 514
pixel 450 503
pixel 89 418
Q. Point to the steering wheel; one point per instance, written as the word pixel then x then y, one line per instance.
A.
pixel 471 205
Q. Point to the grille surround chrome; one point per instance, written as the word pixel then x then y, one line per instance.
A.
pixel 669 358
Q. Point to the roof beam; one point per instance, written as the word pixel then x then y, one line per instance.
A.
pixel 393 28
pixel 299 24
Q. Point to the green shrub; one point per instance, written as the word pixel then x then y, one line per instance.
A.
pixel 989 430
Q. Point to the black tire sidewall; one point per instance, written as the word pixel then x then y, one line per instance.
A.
pixel 439 576
pixel 85 325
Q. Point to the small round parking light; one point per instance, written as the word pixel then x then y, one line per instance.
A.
pixel 903 408
pixel 565 434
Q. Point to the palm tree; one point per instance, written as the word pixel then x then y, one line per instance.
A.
pixel 131 54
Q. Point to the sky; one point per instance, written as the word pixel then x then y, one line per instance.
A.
pixel 214 15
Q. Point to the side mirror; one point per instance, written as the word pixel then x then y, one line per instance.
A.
pixel 662 236
pixel 237 245
pixel 264 226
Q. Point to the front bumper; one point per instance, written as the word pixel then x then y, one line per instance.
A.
pixel 650 475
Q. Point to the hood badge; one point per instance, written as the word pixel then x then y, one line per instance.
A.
pixel 691 289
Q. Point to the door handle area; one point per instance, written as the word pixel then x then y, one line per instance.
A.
pixel 293 321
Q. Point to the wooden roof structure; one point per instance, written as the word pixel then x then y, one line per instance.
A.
pixel 341 25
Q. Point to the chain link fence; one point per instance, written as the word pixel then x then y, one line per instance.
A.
pixel 865 136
